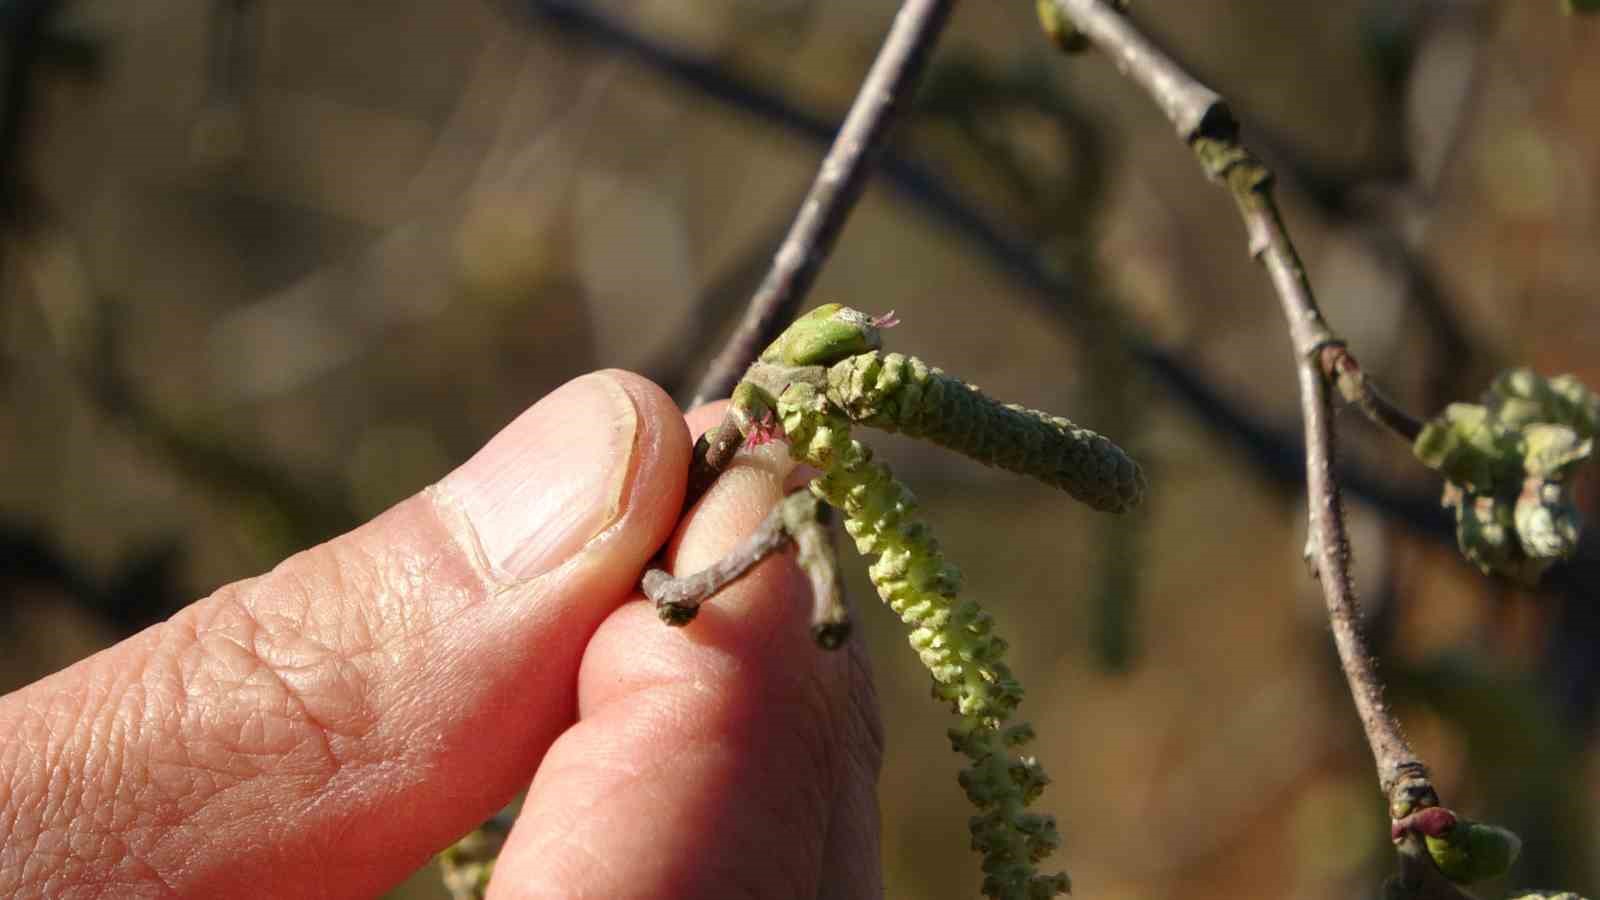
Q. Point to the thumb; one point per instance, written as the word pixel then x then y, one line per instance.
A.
pixel 322 729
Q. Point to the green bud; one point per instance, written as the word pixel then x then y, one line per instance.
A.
pixel 1473 851
pixel 1549 450
pixel 1520 396
pixel 1467 446
pixel 1547 520
pixel 752 408
pixel 1485 527
pixel 824 336
pixel 1581 407
pixel 1486 531
pixel 1506 463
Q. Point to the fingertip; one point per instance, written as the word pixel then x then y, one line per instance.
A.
pixel 600 460
pixel 702 418
pixel 661 462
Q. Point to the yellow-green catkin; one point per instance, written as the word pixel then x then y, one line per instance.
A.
pixel 954 638
pixel 467 865
pixel 894 392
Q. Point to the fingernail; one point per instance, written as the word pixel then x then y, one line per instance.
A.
pixel 552 479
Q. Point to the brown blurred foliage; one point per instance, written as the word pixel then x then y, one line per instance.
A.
pixel 269 267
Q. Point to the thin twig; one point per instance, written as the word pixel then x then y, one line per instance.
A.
pixel 800 518
pixel 1337 361
pixel 678 599
pixel 713 452
pixel 715 306
pixel 891 81
pixel 1054 292
pixel 1204 122
pixel 807 519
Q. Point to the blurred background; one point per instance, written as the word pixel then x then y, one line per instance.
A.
pixel 269 267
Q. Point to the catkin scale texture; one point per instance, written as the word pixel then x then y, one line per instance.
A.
pixel 953 638
pixel 901 393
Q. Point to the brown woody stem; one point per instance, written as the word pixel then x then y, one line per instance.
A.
pixel 713 453
pixel 1340 367
pixel 843 175
pixel 800 518
pixel 1204 122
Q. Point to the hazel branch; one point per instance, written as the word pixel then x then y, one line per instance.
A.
pixel 843 175
pixel 678 598
pixel 1052 291
pixel 806 519
pixel 1204 122
pixel 1340 365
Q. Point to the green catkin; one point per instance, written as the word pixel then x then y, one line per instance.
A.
pixel 953 637
pixel 901 393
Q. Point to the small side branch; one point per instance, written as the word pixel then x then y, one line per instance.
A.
pixel 1341 367
pixel 678 599
pixel 807 519
pixel 838 185
pixel 1190 106
pixel 800 518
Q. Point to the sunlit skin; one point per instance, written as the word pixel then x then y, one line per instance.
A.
pixel 319 731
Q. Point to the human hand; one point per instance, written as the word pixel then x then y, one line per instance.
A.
pixel 322 729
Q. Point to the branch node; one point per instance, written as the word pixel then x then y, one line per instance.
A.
pixel 1217 123
pixel 1409 788
pixel 1230 163
pixel 1340 367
